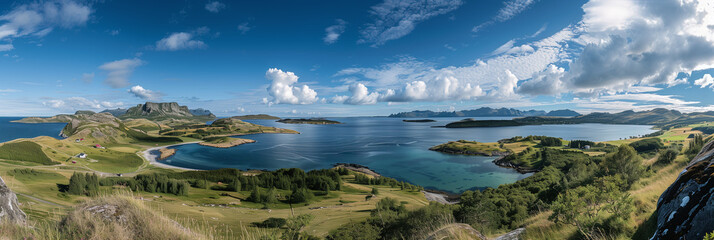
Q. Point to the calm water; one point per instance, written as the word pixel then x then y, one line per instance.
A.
pixel 10 131
pixel 389 146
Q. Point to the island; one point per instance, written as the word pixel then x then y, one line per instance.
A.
pixel 419 120
pixel 308 121
pixel 166 153
pixel 486 112
pixel 225 142
pixel 471 148
pixel 257 117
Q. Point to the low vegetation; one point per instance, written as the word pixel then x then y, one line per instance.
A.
pixel 25 151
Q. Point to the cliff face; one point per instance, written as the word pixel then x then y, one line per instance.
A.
pixel 686 209
pixel 10 211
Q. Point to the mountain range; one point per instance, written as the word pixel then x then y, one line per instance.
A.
pixel 159 110
pixel 487 112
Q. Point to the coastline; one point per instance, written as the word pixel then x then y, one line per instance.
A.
pixel 153 158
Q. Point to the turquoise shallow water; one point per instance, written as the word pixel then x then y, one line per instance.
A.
pixel 390 147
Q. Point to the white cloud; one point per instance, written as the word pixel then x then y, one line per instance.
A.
pixel 215 6
pixel 544 83
pixel 9 90
pixel 332 33
pixel 359 95
pixel 394 19
pixel 244 28
pixel 6 47
pixel 508 48
pixel 284 89
pixel 145 94
pixel 705 81
pixel 510 9
pixel 179 41
pixel 650 45
pixel 80 103
pixel 40 19
pixel 118 72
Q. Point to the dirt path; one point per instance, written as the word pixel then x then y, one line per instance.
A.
pixel 40 200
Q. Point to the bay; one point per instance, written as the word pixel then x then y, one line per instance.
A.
pixel 389 146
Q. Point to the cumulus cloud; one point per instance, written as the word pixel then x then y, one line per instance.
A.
pixel 705 81
pixel 283 89
pixel 80 103
pixel 394 19
pixel 510 9
pixel 118 72
pixel 41 18
pixel 332 33
pixel 632 49
pixel 544 83
pixel 145 94
pixel 215 6
pixel 359 95
pixel 179 41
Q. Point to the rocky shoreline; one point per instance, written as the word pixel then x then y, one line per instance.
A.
pixel 358 168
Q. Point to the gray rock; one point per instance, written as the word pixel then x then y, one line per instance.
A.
pixel 9 208
pixel 686 209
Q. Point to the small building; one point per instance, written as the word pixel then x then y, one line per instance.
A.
pixel 586 147
pixel 74 161
pixel 77 140
pixel 82 155
pixel 98 146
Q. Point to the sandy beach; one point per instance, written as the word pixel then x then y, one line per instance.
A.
pixel 152 156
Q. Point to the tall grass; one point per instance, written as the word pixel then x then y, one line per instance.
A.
pixel 132 220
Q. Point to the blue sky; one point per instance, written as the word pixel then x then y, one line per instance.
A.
pixel 355 58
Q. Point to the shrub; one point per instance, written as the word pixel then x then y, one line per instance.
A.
pixel 271 223
pixel 646 145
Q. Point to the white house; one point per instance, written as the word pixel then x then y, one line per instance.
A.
pixel 82 155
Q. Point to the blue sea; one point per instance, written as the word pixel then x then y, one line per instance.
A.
pixel 389 146
pixel 10 131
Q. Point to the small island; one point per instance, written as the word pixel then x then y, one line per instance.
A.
pixel 225 142
pixel 166 153
pixel 419 120
pixel 464 147
pixel 307 121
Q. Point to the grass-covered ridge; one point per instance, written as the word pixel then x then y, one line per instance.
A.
pixel 25 151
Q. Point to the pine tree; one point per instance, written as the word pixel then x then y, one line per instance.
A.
pixel 76 184
pixel 235 185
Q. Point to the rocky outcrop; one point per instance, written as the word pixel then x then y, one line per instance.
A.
pixel 10 211
pixel 201 112
pixel 686 209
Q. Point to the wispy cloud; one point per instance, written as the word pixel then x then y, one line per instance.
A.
pixel 215 6
pixel 332 33
pixel 394 19
pixel 80 103
pixel 118 72
pixel 179 41
pixel 41 18
pixel 244 28
pixel 510 9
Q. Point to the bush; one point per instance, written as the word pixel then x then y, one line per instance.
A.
pixel 551 142
pixel 271 223
pixel 646 145
pixel 667 156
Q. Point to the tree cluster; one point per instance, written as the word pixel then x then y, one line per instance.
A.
pixel 83 184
